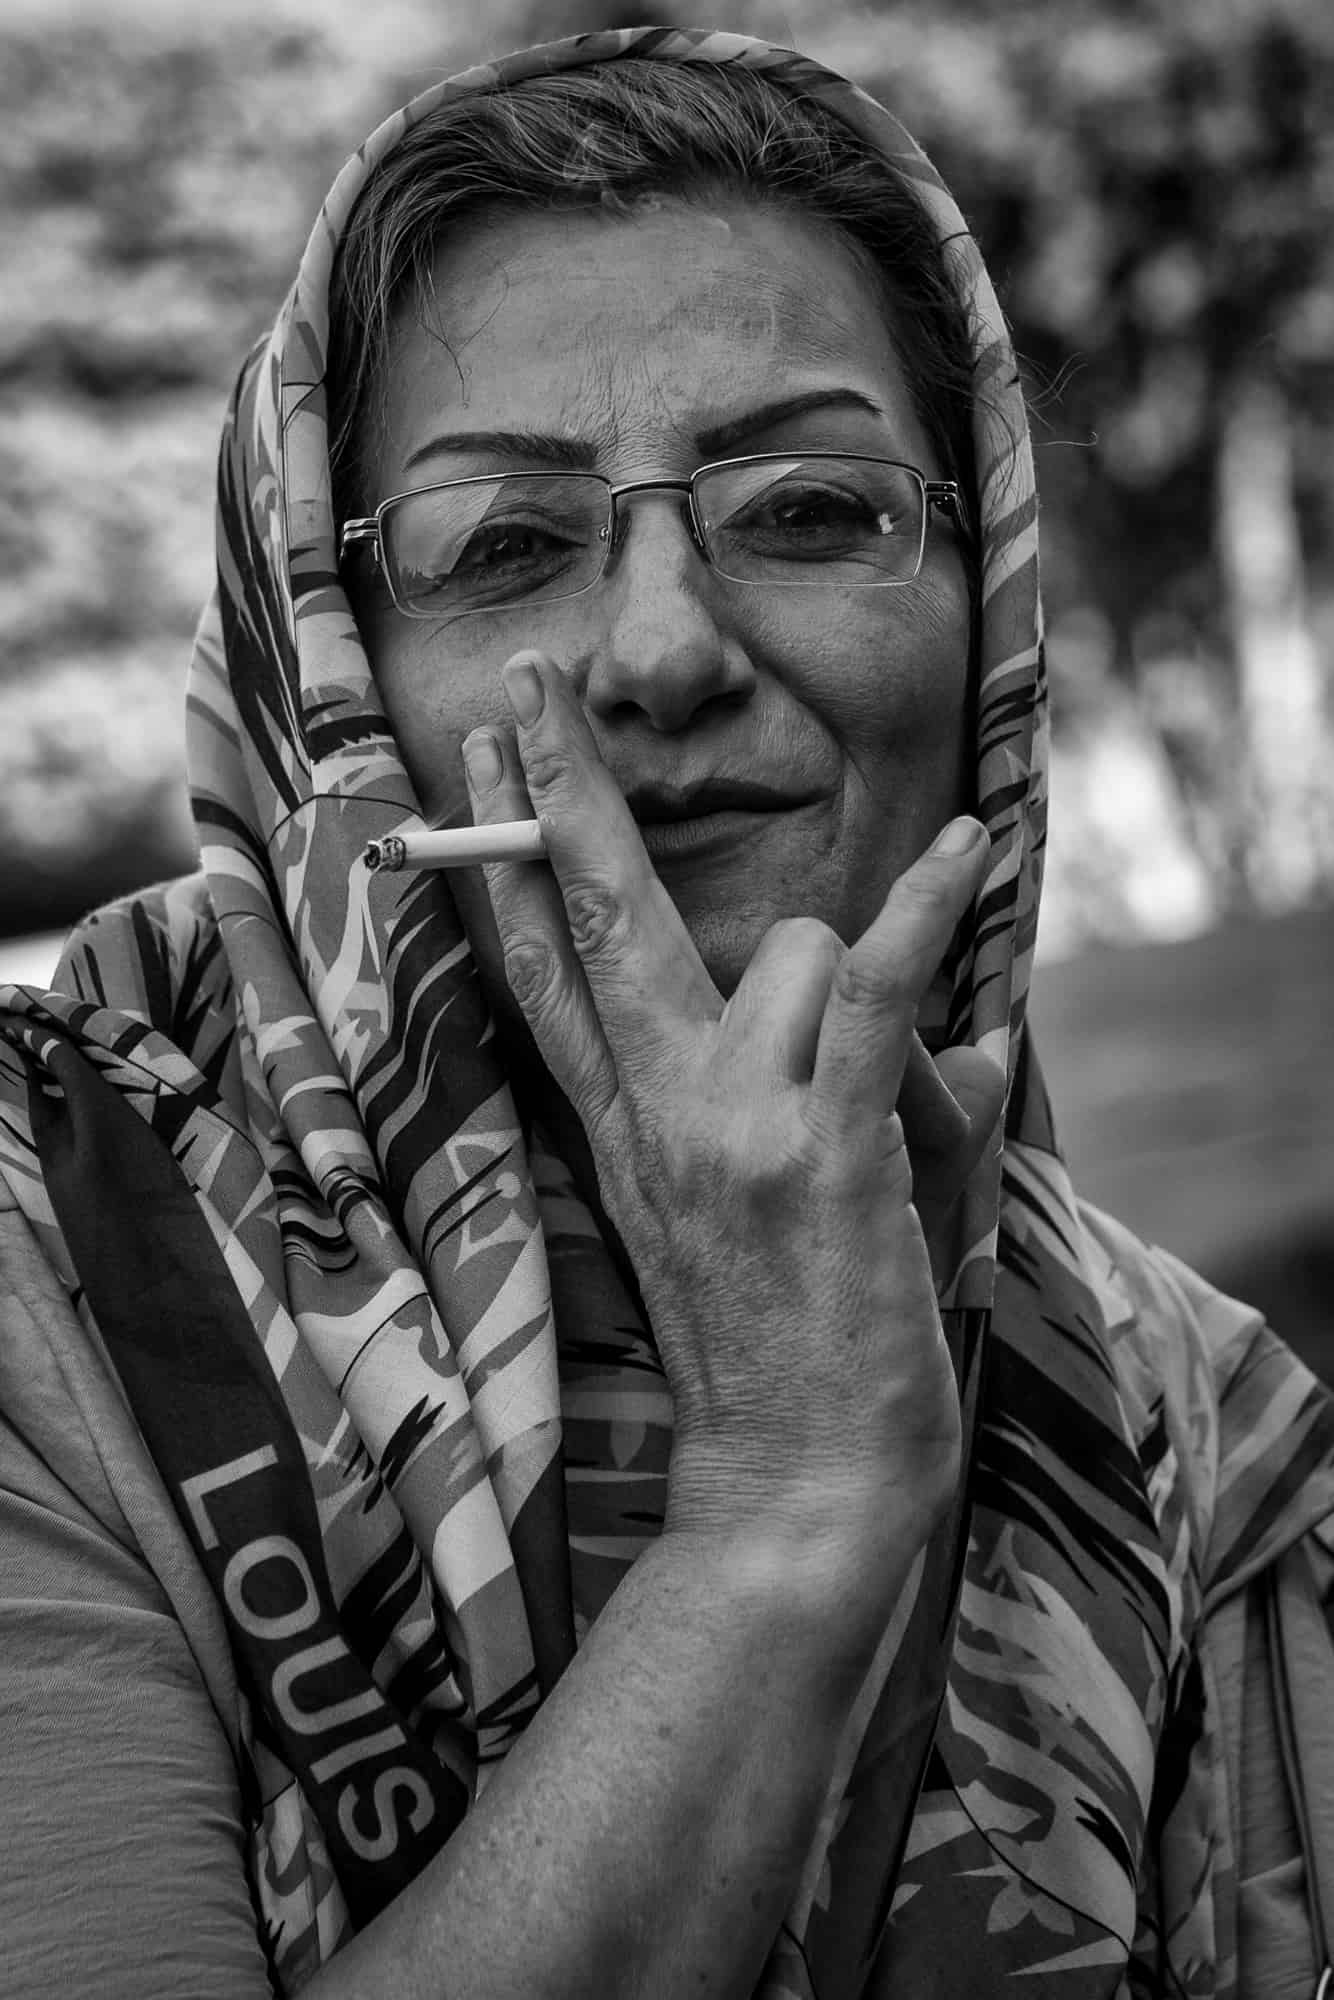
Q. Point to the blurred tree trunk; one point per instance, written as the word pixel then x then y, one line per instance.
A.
pixel 1288 746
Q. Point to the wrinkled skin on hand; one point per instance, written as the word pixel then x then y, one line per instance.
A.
pixel 773 1161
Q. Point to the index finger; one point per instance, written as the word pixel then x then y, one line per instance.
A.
pixel 628 938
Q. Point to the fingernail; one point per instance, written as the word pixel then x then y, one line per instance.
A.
pixel 482 760
pixel 957 837
pixel 523 685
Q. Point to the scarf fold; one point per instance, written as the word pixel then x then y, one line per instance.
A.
pixel 397 1389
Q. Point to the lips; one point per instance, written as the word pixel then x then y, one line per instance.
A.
pixel 658 805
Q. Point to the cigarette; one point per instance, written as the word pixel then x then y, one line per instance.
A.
pixel 459 846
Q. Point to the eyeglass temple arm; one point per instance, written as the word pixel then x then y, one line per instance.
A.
pixel 365 529
pixel 945 495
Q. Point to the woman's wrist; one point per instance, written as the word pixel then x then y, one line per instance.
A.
pixel 835 1550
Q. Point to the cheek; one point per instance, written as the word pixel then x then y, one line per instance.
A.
pixel 432 701
pixel 890 680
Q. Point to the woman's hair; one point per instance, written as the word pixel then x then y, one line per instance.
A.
pixel 606 137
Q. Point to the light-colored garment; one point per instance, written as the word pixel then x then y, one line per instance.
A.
pixel 377 1424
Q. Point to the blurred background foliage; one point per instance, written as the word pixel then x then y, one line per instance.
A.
pixel 1152 182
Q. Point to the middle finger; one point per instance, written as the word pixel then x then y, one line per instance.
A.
pixel 599 907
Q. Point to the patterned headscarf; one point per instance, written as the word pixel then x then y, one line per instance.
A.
pixel 397 1391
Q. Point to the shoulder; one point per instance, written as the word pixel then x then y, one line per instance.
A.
pixel 144 973
pixel 152 961
pixel 121 1809
pixel 1250 1427
pixel 141 953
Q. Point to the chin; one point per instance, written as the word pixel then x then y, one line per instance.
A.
pixel 727 940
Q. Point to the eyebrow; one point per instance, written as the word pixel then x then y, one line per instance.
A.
pixel 578 455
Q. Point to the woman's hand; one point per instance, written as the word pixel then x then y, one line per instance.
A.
pixel 751 1153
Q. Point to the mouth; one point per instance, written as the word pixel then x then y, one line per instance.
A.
pixel 664 805
pixel 709 818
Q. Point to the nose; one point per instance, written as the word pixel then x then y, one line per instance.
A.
pixel 663 643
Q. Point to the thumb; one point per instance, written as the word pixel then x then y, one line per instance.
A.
pixel 945 1149
pixel 976 1082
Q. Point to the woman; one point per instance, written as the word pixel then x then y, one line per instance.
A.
pixel 549 1446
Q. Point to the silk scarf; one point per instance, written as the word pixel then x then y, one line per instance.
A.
pixel 398 1392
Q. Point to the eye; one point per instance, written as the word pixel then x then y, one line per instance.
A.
pixel 819 512
pixel 479 544
pixel 509 544
pixel 489 563
pixel 810 520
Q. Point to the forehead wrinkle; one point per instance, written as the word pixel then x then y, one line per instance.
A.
pixel 618 404
pixel 608 364
pixel 743 298
pixel 820 330
pixel 747 288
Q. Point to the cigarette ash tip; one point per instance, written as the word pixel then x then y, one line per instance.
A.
pixel 386 853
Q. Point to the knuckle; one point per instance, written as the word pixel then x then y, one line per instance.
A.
pixel 876 1149
pixel 923 896
pixel 596 914
pixel 767 1164
pixel 691 1160
pixel 801 942
pixel 861 981
pixel 805 931
pixel 531 973
pixel 546 766
pixel 675 1154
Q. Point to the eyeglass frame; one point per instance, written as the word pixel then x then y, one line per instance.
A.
pixel 945 495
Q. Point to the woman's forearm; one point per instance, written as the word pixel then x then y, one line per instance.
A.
pixel 645 1835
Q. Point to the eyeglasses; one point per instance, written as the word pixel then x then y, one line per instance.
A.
pixel 507 540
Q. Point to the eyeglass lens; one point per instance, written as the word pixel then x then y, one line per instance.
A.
pixel 524 538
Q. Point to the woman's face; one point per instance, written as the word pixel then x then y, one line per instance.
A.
pixel 657 343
